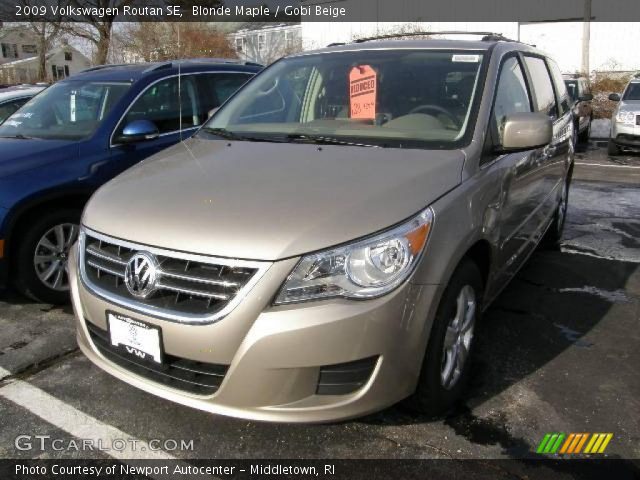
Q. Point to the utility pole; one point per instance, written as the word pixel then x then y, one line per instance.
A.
pixel 586 37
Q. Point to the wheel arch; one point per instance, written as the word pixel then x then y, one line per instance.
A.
pixel 22 213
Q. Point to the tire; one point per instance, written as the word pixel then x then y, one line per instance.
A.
pixel 583 137
pixel 52 252
pixel 553 235
pixel 436 392
pixel 613 149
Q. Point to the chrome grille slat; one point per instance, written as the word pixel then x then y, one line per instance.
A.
pixel 102 268
pixel 193 293
pixel 189 288
pixel 190 278
pixel 105 256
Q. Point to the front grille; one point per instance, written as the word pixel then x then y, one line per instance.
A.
pixel 188 287
pixel 179 373
pixel 344 378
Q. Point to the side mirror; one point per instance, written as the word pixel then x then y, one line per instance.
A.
pixel 587 97
pixel 526 131
pixel 212 112
pixel 138 131
pixel 614 97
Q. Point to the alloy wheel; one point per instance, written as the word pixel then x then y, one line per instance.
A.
pixel 458 338
pixel 51 256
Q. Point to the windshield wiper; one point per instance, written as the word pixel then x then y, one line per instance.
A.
pixel 228 135
pixel 322 140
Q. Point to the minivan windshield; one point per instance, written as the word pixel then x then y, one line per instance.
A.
pixel 392 98
pixel 69 110
pixel 632 92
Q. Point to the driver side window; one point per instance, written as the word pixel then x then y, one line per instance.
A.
pixel 511 94
pixel 164 106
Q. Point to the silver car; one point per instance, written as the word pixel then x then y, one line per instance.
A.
pixel 625 121
pixel 325 245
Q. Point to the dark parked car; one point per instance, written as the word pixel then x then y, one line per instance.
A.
pixel 11 99
pixel 581 97
pixel 77 134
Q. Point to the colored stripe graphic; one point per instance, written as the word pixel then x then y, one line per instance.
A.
pixel 573 443
pixel 558 443
pixel 543 443
pixel 581 443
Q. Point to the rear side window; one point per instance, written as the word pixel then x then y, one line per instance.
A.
pixel 215 88
pixel 561 89
pixel 545 99
pixel 511 93
pixel 162 105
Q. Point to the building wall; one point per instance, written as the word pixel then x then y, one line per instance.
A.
pixel 265 45
pixel 24 41
pixel 26 71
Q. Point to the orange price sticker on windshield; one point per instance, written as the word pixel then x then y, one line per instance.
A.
pixel 363 86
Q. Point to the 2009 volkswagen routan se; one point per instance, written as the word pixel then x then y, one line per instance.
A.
pixel 324 246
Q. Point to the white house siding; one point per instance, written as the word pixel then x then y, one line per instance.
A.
pixel 24 41
pixel 26 70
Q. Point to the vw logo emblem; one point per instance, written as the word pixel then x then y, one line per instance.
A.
pixel 141 274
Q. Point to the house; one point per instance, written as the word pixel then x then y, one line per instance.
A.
pixel 61 62
pixel 265 42
pixel 17 43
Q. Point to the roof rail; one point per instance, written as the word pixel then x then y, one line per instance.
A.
pixel 486 36
pixel 171 63
pixel 109 65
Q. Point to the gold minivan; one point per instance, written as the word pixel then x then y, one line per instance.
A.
pixel 325 245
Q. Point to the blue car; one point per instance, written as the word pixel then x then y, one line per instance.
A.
pixel 58 148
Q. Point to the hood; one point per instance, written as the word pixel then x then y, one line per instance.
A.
pixel 22 155
pixel 268 201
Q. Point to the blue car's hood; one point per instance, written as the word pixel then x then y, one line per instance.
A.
pixel 22 155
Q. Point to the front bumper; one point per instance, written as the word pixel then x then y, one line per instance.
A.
pixel 625 135
pixel 275 354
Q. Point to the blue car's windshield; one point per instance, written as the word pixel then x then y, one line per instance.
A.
pixel 69 110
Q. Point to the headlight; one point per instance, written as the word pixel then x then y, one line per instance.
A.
pixel 626 117
pixel 364 269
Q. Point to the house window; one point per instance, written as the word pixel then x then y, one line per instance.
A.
pixel 68 57
pixel 54 73
pixel 29 49
pixel 262 39
pixel 66 70
pixel 239 44
pixel 9 50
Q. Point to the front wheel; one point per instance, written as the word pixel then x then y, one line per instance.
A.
pixel 40 267
pixel 445 370
pixel 613 149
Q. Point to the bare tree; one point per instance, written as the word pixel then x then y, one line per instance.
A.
pixel 96 29
pixel 46 35
pixel 156 41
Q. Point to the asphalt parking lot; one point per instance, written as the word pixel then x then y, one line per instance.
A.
pixel 557 351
